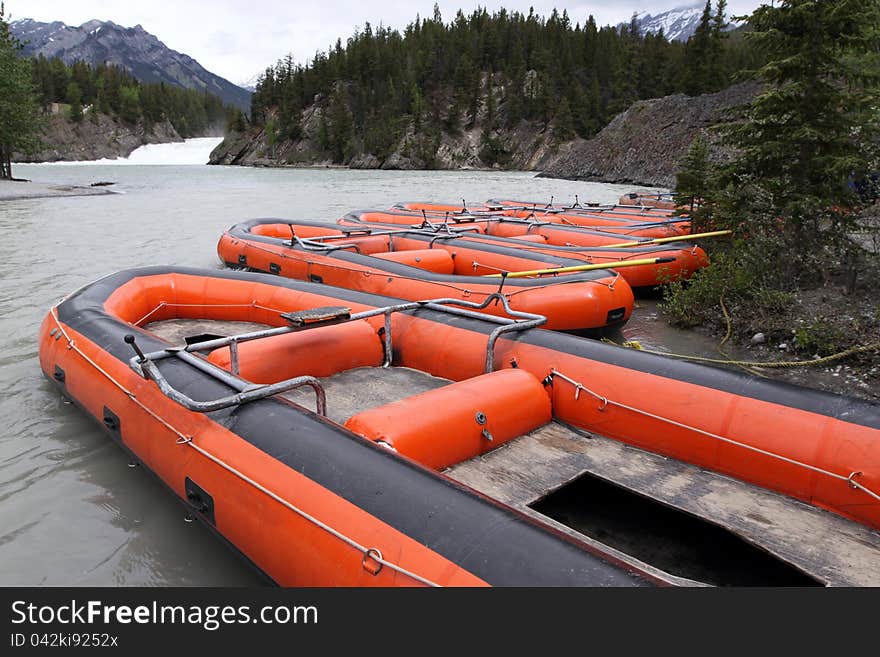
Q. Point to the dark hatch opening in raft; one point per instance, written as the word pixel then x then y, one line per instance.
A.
pixel 672 540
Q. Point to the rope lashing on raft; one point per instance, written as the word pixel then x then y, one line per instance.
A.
pixel 164 304
pixel 368 554
pixel 579 387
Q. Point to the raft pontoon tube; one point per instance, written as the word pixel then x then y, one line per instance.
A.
pixel 367 488
pixel 680 259
pixel 415 264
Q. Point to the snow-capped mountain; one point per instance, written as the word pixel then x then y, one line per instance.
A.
pixel 251 83
pixel 132 48
pixel 677 24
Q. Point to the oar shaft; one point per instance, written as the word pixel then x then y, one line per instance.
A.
pixel 578 268
pixel 667 240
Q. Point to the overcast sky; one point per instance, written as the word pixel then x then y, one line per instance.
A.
pixel 238 39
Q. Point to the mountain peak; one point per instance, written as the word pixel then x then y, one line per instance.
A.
pixel 678 24
pixel 92 25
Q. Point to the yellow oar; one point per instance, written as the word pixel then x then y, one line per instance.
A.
pixel 576 268
pixel 666 240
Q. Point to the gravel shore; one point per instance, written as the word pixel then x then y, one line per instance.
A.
pixel 16 190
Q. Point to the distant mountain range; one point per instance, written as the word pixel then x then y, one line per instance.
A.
pixel 132 48
pixel 678 24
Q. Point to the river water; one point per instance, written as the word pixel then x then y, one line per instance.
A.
pixel 71 510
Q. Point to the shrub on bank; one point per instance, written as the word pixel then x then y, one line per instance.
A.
pixel 799 268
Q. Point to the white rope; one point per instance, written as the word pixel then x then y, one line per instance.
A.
pixel 372 553
pixel 850 479
pixel 165 304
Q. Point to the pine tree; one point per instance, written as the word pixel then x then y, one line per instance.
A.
pixel 698 55
pixel 271 135
pixel 236 122
pixel 129 104
pixel 59 75
pixel 323 130
pixel 716 76
pixel 692 183
pixel 19 111
pixel 416 107
pixel 43 81
pixel 464 81
pixel 490 123
pixel 341 126
pixel 74 99
pixel 815 126
pixel 564 128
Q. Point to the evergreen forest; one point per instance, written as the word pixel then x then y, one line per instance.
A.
pixel 492 69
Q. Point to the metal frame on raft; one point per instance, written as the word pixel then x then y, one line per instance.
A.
pixel 319 243
pixel 145 364
pixel 461 219
pixel 459 227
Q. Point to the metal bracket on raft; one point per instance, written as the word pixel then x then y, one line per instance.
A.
pixel 307 244
pixel 522 321
pixel 146 364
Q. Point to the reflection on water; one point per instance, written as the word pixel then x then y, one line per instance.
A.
pixel 71 510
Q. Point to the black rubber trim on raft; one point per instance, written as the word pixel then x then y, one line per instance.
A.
pixel 242 232
pixel 112 423
pixel 502 546
pixel 199 500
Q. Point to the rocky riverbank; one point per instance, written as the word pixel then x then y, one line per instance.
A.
pixel 642 145
pixel 645 144
pixel 96 136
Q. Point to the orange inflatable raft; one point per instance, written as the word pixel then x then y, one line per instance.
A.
pixel 420 265
pixel 602 219
pixel 352 439
pixel 625 210
pixel 680 259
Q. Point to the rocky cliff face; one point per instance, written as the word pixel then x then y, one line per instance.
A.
pixel 646 143
pixel 642 145
pixel 525 146
pixel 95 137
